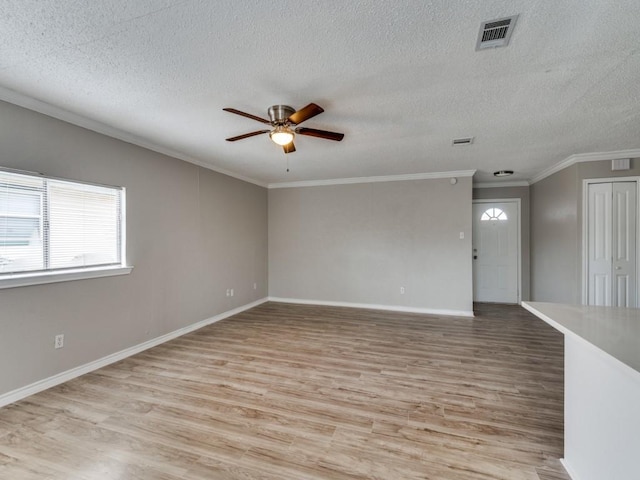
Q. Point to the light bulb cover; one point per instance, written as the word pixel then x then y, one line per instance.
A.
pixel 503 173
pixel 281 135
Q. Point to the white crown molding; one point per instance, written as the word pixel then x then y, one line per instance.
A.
pixel 584 157
pixel 53 111
pixel 45 108
pixel 372 306
pixel 516 183
pixel 39 386
pixel 385 178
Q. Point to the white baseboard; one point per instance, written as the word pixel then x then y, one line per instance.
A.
pixel 23 392
pixel 392 308
pixel 570 472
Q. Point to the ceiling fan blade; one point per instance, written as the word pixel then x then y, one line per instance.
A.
pixel 248 115
pixel 312 132
pixel 305 113
pixel 289 148
pixel 247 135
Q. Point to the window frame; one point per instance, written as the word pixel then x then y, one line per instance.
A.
pixel 47 275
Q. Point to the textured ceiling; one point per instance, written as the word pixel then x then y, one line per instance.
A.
pixel 400 79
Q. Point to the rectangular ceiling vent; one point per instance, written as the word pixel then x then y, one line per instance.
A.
pixel 496 33
pixel 462 141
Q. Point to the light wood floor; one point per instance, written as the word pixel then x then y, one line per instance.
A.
pixel 300 392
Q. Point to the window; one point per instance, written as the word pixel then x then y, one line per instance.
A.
pixel 49 225
pixel 493 214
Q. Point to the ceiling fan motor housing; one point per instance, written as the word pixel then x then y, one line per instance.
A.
pixel 278 114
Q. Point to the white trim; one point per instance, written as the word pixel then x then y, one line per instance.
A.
pixel 585 233
pixel 518 203
pixel 372 306
pixel 123 227
pixel 585 240
pixel 584 157
pixel 39 278
pixel 53 111
pixel 569 470
pixel 384 178
pixel 41 385
pixel 515 183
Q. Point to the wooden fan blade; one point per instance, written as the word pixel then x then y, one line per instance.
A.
pixel 247 135
pixel 289 148
pixel 312 132
pixel 305 113
pixel 248 115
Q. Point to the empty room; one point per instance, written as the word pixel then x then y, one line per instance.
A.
pixel 319 240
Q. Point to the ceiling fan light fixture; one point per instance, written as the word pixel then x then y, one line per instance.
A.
pixel 281 135
pixel 503 173
pixel 281 118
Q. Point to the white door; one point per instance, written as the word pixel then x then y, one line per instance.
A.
pixel 495 252
pixel 611 238
pixel 600 235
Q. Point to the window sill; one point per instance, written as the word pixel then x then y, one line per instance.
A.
pixel 26 279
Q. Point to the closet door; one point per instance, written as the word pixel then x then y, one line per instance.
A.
pixel 599 239
pixel 612 248
pixel 624 249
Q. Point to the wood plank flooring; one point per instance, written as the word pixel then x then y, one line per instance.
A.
pixel 303 392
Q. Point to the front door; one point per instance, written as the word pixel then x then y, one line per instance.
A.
pixel 495 252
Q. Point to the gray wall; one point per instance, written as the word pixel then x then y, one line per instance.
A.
pixel 554 237
pixel 556 230
pixel 191 234
pixel 361 243
pixel 523 194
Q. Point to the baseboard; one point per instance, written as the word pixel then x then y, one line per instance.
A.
pixel 392 308
pixel 570 472
pixel 23 392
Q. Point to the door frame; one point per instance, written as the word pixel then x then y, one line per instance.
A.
pixel 585 231
pixel 518 203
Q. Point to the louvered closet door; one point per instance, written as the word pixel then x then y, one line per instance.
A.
pixel 612 244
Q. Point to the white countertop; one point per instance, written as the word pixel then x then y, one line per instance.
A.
pixel 613 330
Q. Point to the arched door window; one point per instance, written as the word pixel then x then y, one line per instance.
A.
pixel 493 214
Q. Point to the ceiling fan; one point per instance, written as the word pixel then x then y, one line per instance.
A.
pixel 281 118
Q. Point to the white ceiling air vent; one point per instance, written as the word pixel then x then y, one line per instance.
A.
pixel 462 141
pixel 495 33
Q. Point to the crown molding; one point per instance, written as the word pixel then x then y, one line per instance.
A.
pixel 21 100
pixel 15 98
pixel 584 157
pixel 384 178
pixel 515 183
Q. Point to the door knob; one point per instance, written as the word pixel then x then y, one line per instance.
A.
pixel 475 257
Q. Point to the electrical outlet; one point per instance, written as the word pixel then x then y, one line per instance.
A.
pixel 232 292
pixel 401 290
pixel 59 341
pixel 228 292
pixel 255 286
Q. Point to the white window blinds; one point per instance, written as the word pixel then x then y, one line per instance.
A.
pixel 52 224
